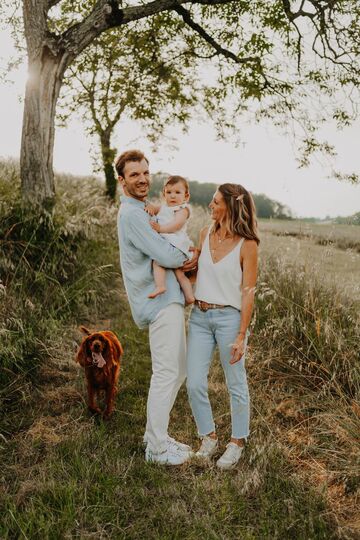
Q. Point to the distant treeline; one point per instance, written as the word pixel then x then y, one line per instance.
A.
pixel 201 194
pixel 349 220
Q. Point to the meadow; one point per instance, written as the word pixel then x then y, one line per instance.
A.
pixel 330 251
pixel 66 474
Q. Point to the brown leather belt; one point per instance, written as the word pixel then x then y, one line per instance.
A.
pixel 204 306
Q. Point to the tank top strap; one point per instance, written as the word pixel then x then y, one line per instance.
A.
pixel 206 243
pixel 240 244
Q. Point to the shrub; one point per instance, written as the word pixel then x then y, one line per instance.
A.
pixel 51 266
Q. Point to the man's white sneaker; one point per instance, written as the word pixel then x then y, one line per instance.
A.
pixel 230 457
pixel 208 447
pixel 169 457
pixel 173 443
pixel 181 447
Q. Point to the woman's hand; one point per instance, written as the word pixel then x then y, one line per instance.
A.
pixel 192 263
pixel 238 349
pixel 155 226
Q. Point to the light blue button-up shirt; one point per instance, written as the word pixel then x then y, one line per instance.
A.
pixel 139 246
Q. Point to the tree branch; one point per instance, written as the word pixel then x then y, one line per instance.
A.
pixel 184 13
pixel 107 14
pixel 299 13
pixel 134 13
pixel 52 3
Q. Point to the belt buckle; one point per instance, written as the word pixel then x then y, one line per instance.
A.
pixel 202 307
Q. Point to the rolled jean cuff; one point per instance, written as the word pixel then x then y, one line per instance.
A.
pixel 213 430
pixel 233 436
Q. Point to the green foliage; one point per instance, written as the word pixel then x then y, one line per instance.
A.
pixel 264 62
pixel 48 267
pixel 139 74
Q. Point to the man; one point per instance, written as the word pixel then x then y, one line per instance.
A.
pixel 164 315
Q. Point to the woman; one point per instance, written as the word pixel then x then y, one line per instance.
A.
pixel 224 293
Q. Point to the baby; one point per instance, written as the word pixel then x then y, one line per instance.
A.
pixel 171 224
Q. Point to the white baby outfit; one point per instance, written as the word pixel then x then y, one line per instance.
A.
pixel 180 238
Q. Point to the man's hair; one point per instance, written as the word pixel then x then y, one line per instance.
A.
pixel 129 155
pixel 241 213
pixel 174 180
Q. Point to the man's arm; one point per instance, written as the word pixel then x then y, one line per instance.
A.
pixel 153 245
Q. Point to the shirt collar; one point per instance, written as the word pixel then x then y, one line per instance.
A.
pixel 131 200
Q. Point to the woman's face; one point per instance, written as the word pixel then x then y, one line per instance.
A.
pixel 218 207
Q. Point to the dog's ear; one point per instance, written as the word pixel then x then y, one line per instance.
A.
pixel 82 353
pixel 110 355
pixel 116 343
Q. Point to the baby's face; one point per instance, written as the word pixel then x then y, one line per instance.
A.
pixel 175 194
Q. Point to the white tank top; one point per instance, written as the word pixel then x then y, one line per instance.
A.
pixel 220 282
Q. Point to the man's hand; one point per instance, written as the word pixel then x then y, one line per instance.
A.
pixel 238 349
pixel 151 209
pixel 192 263
pixel 155 226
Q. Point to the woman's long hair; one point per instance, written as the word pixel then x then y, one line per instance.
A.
pixel 241 213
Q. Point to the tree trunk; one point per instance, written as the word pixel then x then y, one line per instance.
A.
pixel 42 91
pixel 108 156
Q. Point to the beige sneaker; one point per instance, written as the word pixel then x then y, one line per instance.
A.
pixel 230 457
pixel 208 447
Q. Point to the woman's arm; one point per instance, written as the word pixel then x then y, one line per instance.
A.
pixel 174 225
pixel 249 260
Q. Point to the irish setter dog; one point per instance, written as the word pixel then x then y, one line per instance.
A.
pixel 100 354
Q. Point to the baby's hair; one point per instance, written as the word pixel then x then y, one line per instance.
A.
pixel 174 180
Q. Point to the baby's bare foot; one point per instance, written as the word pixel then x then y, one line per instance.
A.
pixel 158 290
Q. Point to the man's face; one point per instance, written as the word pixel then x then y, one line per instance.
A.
pixel 136 179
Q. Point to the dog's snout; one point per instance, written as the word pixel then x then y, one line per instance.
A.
pixel 97 346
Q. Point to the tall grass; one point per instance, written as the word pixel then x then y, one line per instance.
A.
pixel 51 273
pixel 312 328
pixel 306 343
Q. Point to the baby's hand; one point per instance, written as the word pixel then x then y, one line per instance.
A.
pixel 151 209
pixel 155 226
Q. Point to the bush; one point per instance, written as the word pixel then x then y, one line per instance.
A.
pixel 50 265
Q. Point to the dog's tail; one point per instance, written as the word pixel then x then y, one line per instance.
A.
pixel 85 330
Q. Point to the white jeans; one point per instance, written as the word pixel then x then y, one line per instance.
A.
pixel 168 358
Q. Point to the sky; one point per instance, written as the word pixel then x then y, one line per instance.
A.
pixel 264 163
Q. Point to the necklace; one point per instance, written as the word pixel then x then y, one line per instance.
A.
pixel 219 239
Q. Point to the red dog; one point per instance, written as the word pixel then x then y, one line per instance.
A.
pixel 100 355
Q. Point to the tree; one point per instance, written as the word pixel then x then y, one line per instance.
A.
pixel 125 74
pixel 268 208
pixel 277 54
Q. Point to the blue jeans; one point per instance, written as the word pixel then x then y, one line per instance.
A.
pixel 206 330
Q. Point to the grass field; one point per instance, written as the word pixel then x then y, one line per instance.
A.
pixel 316 249
pixel 342 236
pixel 68 475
